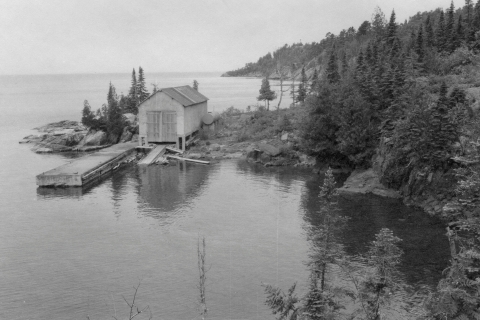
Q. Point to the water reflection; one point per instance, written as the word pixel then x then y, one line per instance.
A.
pixel 164 190
pixel 424 242
pixel 44 193
pixel 119 181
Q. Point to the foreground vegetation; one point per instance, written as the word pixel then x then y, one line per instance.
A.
pixel 370 284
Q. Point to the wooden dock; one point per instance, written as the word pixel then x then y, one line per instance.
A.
pixel 84 170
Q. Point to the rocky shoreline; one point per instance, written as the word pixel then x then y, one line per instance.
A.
pixel 72 136
pixel 67 135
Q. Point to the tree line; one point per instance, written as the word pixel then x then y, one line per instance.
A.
pixel 110 117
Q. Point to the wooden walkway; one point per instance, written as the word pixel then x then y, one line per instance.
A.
pixel 153 155
pixel 87 169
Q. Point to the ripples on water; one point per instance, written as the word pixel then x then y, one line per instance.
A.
pixel 81 249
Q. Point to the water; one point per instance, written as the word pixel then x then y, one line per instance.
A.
pixel 73 253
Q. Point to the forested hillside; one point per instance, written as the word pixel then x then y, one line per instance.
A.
pixel 401 99
pixel 444 31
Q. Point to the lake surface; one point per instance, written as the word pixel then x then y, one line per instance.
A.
pixel 73 253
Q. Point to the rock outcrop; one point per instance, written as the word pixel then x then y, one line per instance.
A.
pixel 69 135
pixel 367 182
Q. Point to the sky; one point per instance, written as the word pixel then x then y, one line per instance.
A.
pixel 106 36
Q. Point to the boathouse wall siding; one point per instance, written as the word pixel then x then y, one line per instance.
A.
pixel 160 102
pixel 189 107
pixel 193 117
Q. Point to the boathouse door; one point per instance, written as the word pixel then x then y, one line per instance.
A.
pixel 154 119
pixel 169 126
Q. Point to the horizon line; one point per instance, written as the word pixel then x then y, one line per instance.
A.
pixel 90 73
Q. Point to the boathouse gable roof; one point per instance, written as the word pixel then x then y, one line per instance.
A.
pixel 185 95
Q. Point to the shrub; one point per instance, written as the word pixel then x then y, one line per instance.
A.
pixel 203 134
pixel 243 136
pixel 232 111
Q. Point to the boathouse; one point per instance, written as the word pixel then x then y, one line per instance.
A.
pixel 171 115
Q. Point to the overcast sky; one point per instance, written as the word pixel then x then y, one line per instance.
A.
pixel 102 36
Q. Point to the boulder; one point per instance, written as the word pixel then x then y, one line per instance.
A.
pixel 126 135
pixel 194 155
pixel 269 149
pixel 306 160
pixel 44 150
pixel 74 138
pixel 264 158
pixel 284 136
pixel 94 138
pixel 215 147
pixel 130 118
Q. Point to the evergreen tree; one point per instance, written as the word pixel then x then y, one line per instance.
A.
pixel 329 248
pixel 195 85
pixel 302 87
pixel 419 49
pixel 429 35
pixel 142 92
pixel 115 119
pixel 314 81
pixel 378 285
pixel 332 69
pixel 88 117
pixel 469 33
pixel 468 13
pixel 450 29
pixel 476 17
pixel 266 94
pixel 133 88
pixel 391 30
pixel 457 97
pixel 441 33
pixel 443 100
pixel 344 64
pixel 132 95
pixel 460 33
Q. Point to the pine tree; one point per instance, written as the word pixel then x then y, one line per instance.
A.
pixel 314 82
pixel 344 64
pixel 419 49
pixel 391 30
pixel 443 100
pixel 395 51
pixel 88 117
pixel 266 94
pixel 469 33
pixel 476 17
pixel 115 120
pixel 378 286
pixel 332 69
pixel 429 35
pixel 441 33
pixel 132 94
pixel 142 92
pixel 450 29
pixel 469 13
pixel 460 33
pixel 302 87
pixel 412 41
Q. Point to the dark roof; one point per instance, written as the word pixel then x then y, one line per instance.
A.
pixel 185 95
